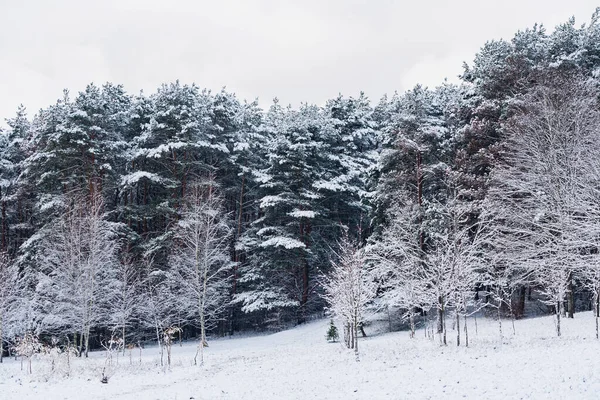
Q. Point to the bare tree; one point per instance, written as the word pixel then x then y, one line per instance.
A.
pixel 124 296
pixel 437 272
pixel 80 251
pixel 350 289
pixel 399 265
pixel 200 261
pixel 156 306
pixel 543 187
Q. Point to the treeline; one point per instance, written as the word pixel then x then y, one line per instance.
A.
pixel 285 182
pixel 209 213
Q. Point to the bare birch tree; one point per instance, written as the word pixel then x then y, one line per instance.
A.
pixel 200 261
pixel 124 296
pixel 399 265
pixel 553 143
pixel 80 250
pixel 349 290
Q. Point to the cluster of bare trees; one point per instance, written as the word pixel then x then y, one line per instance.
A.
pixel 75 287
pixel 538 227
pixel 543 201
pixel 435 275
pixel 91 285
pixel 350 289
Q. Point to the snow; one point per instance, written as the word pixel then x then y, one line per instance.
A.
pixel 302 214
pixel 161 149
pixel 300 364
pixel 133 178
pixel 270 201
pixel 324 185
pixel 79 113
pixel 283 241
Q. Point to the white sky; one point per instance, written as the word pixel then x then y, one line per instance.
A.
pixel 304 50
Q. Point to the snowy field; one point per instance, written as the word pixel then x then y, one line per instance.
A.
pixel 300 364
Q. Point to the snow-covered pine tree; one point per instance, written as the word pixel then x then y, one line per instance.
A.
pixel 15 199
pixel 236 125
pixel 417 155
pixel 350 137
pixel 283 258
pixel 9 296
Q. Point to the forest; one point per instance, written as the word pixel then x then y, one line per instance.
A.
pixel 185 213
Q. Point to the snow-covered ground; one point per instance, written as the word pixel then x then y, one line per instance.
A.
pixel 300 364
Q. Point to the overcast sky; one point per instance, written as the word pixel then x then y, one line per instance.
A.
pixel 304 50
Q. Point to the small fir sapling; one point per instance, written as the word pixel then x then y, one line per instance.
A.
pixel 332 333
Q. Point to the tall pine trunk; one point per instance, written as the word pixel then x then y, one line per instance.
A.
pixel 4 225
pixel 304 232
pixel 1 342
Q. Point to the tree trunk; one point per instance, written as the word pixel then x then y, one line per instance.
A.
pixel 362 330
pixel 466 333
pixel 500 321
pixel 457 328
pixel 520 306
pixel 411 316
pixel 558 311
pixel 169 354
pixel 159 342
pixel 1 342
pixel 356 340
pixel 440 321
pixel 444 327
pixel 513 324
pixel 596 309
pixel 304 301
pixel 347 334
pixel 570 298
pixel 87 342
pixel 4 225
pixel 81 335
